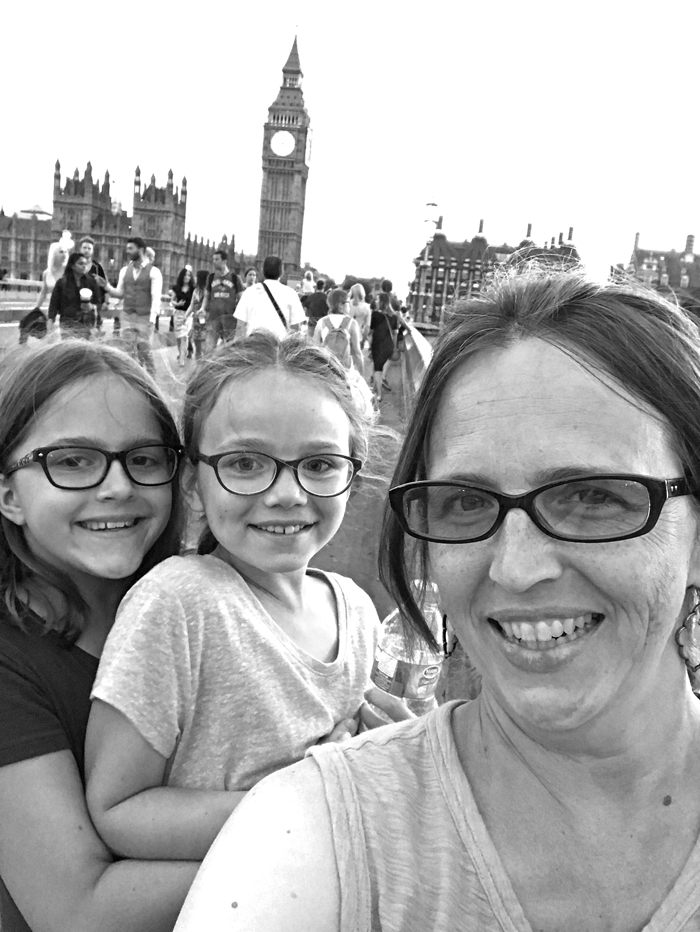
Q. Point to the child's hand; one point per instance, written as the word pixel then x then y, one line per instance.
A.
pixel 342 731
pixel 387 709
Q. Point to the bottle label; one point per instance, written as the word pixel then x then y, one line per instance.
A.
pixel 403 679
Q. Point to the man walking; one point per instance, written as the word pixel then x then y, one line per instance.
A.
pixel 220 298
pixel 141 286
pixel 316 306
pixel 87 248
pixel 269 305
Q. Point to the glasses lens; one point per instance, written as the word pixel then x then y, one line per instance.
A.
pixel 449 512
pixel 75 467
pixel 151 465
pixel 325 475
pixel 246 473
pixel 594 509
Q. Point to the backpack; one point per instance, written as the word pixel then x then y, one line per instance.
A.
pixel 337 340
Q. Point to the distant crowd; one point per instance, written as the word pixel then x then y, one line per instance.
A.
pixel 208 307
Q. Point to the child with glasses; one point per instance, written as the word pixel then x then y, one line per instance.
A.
pixel 88 456
pixel 227 665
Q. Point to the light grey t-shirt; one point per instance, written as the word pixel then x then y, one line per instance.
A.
pixel 205 675
pixel 413 852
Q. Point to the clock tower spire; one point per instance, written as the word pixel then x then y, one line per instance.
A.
pixel 285 158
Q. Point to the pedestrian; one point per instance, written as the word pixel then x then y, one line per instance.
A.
pixel 316 306
pixel 87 248
pixel 74 299
pixel 88 455
pixel 269 305
pixel 180 300
pixel 226 665
pixel 384 329
pixel 140 285
pixel 250 278
pixel 196 317
pixel 360 311
pixel 548 485
pixel 222 294
pixel 338 332
pixel 34 323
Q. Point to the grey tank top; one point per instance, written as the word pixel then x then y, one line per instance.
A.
pixel 412 850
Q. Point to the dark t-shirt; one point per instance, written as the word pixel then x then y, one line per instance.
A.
pixel 44 707
pixel 316 306
pixel 224 291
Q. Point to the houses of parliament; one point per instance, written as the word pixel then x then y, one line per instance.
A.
pixel 84 206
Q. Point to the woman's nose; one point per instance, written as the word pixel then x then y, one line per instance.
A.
pixel 522 555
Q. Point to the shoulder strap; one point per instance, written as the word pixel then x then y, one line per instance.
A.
pixel 276 306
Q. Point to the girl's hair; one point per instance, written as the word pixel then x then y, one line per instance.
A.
pixel 263 350
pixel 181 281
pixel 647 345
pixel 202 279
pixel 251 269
pixel 384 302
pixel 336 300
pixel 357 293
pixel 29 380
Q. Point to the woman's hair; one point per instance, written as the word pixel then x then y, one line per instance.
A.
pixel 251 269
pixel 357 293
pixel 181 281
pixel 262 350
pixel 308 276
pixel 73 259
pixel 336 300
pixel 384 302
pixel 27 383
pixel 201 280
pixel 647 345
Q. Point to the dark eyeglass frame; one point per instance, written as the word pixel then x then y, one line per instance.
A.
pixel 40 455
pixel 660 490
pixel 213 461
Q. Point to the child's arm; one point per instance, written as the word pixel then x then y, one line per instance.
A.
pixel 136 816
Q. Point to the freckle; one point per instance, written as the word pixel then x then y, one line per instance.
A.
pixel 289 831
pixel 667 800
pixel 294 896
pixel 234 905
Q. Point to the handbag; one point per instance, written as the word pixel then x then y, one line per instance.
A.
pixel 276 306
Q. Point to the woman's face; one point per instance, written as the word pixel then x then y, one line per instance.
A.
pixel 103 532
pixel 509 419
pixel 250 277
pixel 80 267
pixel 187 278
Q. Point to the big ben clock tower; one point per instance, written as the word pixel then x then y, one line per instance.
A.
pixel 285 158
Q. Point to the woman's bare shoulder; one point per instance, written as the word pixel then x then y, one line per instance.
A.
pixel 273 864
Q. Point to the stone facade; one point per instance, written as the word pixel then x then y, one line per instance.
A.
pixel 285 154
pixel 675 273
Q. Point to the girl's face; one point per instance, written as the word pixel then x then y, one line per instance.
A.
pixel 250 277
pixel 81 266
pixel 187 278
pixel 281 529
pixel 104 532
pixel 512 420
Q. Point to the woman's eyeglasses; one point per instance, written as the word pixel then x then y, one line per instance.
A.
pixel 87 467
pixel 248 473
pixel 589 509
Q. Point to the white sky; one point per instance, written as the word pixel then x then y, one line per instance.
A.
pixel 562 114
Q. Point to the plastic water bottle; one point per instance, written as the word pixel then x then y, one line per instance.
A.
pixel 406 669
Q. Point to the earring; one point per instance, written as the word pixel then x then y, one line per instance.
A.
pixel 447 653
pixel 688 641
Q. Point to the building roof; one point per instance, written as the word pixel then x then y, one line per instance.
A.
pixel 293 63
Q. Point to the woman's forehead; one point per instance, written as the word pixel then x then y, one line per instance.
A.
pixel 533 400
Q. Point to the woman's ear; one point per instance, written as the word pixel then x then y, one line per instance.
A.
pixel 189 484
pixel 10 505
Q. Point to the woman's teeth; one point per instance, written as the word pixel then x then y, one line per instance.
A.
pixel 542 634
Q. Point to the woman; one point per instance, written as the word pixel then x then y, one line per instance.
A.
pixel 547 486
pixel 88 456
pixel 197 319
pixel 250 277
pixel 360 311
pixel 33 324
pixel 75 299
pixel 180 300
pixel 384 328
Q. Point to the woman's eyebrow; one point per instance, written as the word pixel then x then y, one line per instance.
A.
pixel 544 476
pixel 83 441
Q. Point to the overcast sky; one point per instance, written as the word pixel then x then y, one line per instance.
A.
pixel 556 114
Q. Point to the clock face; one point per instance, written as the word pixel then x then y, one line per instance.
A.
pixel 283 143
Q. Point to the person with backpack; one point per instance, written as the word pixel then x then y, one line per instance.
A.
pixel 339 333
